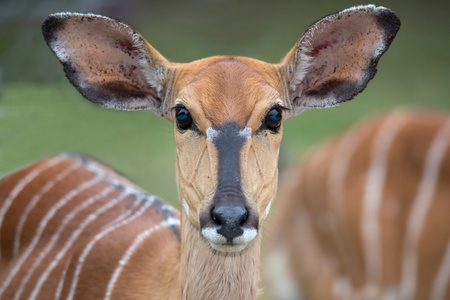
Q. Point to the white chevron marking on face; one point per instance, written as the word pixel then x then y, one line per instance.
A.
pixel 246 133
pixel 212 134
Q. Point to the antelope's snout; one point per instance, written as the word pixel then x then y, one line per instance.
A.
pixel 229 225
pixel 229 220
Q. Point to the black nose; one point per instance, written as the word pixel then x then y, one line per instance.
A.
pixel 230 220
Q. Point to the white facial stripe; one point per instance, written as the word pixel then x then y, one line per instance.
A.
pixel 186 207
pixel 211 133
pixel 219 242
pixel 246 133
pixel 268 208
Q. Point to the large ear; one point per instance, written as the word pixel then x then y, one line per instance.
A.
pixel 108 61
pixel 337 56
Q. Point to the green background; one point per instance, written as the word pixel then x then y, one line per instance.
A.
pixel 42 114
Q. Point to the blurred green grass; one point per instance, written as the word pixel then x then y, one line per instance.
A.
pixel 40 116
pixel 39 120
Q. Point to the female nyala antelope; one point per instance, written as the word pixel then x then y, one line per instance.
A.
pixel 366 215
pixel 72 228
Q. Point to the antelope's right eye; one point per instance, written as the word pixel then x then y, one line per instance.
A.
pixel 183 117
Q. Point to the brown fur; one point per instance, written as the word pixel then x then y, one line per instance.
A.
pixel 104 257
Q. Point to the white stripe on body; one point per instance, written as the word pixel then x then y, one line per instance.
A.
pixel 46 188
pixel 420 208
pixel 61 280
pixel 441 281
pixel 21 185
pixel 51 244
pixel 130 251
pixel 337 175
pixel 94 168
pixel 126 188
pixel 91 218
pixel 119 222
pixel 373 193
pixel 42 225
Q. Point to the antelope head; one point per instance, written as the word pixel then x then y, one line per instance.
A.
pixel 228 112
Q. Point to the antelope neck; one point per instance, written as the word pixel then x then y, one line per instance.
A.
pixel 209 274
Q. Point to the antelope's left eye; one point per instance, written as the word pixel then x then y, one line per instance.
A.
pixel 183 117
pixel 273 119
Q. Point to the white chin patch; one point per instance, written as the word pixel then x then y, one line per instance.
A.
pixel 219 242
pixel 227 247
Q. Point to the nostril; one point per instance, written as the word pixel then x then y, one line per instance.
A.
pixel 230 221
pixel 229 215
pixel 216 220
pixel 244 218
pixel 215 216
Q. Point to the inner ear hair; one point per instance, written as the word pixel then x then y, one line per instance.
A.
pixel 337 56
pixel 108 61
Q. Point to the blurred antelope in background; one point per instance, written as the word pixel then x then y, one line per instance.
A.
pixel 366 215
pixel 72 228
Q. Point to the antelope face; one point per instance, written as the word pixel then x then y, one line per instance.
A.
pixel 228 111
pixel 228 128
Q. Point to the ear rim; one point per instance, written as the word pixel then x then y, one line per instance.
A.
pixel 296 62
pixel 148 63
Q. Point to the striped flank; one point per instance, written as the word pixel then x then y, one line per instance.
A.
pixel 377 201
pixel 60 215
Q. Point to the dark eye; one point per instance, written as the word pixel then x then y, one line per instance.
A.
pixel 273 119
pixel 183 117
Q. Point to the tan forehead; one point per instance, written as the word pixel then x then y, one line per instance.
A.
pixel 228 89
